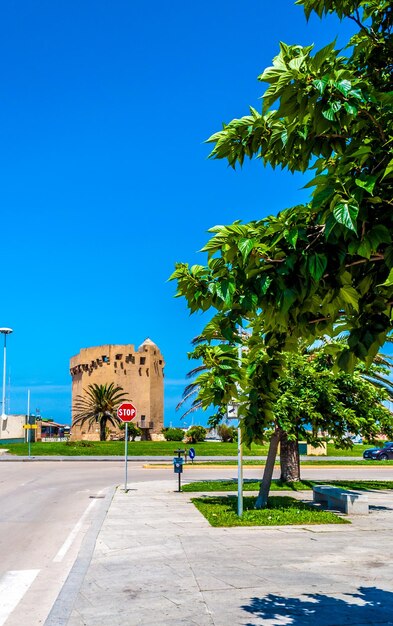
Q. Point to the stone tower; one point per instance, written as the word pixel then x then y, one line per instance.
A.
pixel 139 372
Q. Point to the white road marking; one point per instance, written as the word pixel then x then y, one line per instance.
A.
pixel 13 586
pixel 71 537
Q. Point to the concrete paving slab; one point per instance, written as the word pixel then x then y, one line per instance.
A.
pixel 157 561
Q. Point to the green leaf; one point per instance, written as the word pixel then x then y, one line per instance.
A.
pixel 379 234
pixel 336 106
pixel 323 54
pixel 351 296
pixel 344 86
pixel 388 170
pixel 246 246
pixel 364 248
pixel 329 114
pixel 317 266
pixel 350 108
pixel 347 361
pixel 292 236
pixel 356 93
pixel 367 183
pixel 346 214
pixel 296 63
pixel 389 281
pixel 320 83
pixel 226 289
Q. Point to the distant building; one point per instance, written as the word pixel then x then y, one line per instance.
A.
pixel 140 373
pixel 48 430
pixel 11 429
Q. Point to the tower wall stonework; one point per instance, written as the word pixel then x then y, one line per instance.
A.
pixel 139 372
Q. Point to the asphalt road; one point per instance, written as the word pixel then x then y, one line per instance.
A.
pixel 46 509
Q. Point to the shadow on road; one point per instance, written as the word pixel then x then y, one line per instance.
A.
pixel 368 605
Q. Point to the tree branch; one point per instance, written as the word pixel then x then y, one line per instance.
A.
pixel 356 18
pixel 377 257
pixel 374 121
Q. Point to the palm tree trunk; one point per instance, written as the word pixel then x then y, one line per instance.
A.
pixel 261 501
pixel 103 429
pixel 289 459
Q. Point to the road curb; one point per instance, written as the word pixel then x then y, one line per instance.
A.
pixel 64 603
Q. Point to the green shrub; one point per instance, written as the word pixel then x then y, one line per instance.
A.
pixel 196 434
pixel 227 433
pixel 133 431
pixel 173 434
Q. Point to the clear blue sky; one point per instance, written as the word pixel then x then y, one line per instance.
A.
pixel 105 181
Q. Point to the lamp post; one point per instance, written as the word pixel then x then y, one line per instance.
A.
pixel 5 332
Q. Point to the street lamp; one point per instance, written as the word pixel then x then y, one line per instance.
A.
pixel 5 332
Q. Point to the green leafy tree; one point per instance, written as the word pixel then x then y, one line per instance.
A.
pixel 326 266
pixel 337 403
pixel 196 434
pixel 98 405
pixel 312 398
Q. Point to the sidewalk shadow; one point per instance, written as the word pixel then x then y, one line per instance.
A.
pixel 376 507
pixel 368 605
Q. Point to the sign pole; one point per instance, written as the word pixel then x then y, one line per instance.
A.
pixel 240 471
pixel 28 421
pixel 126 456
pixel 126 412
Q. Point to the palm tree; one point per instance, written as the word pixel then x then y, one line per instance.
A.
pixel 98 405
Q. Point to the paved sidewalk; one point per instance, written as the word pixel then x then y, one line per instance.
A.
pixel 158 562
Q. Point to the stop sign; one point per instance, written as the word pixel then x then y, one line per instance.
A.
pixel 126 412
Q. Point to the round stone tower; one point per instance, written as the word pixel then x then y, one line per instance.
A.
pixel 140 373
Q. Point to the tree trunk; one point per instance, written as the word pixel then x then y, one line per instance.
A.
pixel 289 459
pixel 261 501
pixel 103 430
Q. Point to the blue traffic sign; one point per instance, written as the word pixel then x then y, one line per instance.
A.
pixel 191 453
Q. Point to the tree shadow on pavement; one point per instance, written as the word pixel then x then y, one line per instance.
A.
pixel 368 605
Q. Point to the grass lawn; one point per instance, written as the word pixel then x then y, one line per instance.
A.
pixel 281 511
pixel 277 485
pixel 153 448
pixel 135 448
pixel 356 450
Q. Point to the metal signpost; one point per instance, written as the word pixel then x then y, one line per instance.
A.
pixel 126 413
pixel 239 471
pixel 232 414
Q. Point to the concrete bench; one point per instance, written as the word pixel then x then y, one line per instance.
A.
pixel 349 502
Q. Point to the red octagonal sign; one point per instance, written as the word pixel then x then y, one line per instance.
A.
pixel 126 412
